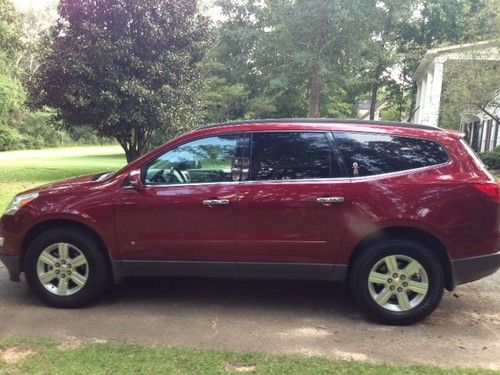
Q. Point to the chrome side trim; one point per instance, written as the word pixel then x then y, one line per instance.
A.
pixel 2 241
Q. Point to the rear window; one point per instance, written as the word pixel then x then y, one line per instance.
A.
pixel 367 154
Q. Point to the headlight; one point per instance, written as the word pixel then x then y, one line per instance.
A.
pixel 20 201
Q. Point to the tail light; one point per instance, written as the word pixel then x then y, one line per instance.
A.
pixel 490 189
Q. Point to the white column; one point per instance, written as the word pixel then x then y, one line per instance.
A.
pixel 435 94
pixel 424 117
pixel 417 102
pixel 420 100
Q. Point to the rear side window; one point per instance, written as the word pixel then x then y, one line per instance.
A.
pixel 367 154
pixel 290 155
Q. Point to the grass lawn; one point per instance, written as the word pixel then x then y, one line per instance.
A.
pixel 20 170
pixel 40 356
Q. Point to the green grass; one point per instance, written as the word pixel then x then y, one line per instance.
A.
pixel 47 357
pixel 21 170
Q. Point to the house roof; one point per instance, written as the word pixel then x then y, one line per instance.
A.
pixel 431 54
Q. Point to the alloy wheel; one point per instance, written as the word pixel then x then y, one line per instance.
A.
pixel 62 269
pixel 398 283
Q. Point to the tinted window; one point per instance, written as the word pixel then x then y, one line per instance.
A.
pixel 200 161
pixel 290 155
pixel 370 154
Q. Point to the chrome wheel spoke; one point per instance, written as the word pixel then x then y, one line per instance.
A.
pixel 418 287
pixel 383 296
pixel 377 278
pixel 63 250
pixel 78 279
pixel 80 260
pixel 47 259
pixel 47 277
pixel 412 268
pixel 392 263
pixel 403 301
pixel 62 287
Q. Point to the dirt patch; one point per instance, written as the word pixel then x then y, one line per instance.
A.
pixel 15 355
pixel 71 343
pixel 241 368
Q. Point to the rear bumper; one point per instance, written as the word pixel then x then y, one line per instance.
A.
pixel 13 266
pixel 470 269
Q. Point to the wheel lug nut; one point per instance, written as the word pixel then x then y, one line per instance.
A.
pixel 389 281
pixel 63 261
pixel 57 272
pixel 69 265
pixel 69 273
pixel 395 275
pixel 63 275
pixel 400 290
pixel 403 277
pixel 57 265
pixel 405 284
pixel 392 287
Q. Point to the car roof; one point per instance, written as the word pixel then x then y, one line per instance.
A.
pixel 322 121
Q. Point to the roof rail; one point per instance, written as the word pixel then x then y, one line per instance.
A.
pixel 325 121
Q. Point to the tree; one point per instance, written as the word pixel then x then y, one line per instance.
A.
pixel 127 68
pixel 437 23
pixel 318 41
pixel 471 87
pixel 12 94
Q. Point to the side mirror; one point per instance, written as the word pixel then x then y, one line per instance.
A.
pixel 134 179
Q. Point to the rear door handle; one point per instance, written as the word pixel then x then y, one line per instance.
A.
pixel 215 202
pixel 330 200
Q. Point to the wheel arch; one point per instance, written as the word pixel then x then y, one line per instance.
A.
pixel 408 233
pixel 64 223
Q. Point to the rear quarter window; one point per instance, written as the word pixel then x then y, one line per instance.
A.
pixel 367 154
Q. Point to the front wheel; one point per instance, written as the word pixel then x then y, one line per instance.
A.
pixel 65 268
pixel 397 282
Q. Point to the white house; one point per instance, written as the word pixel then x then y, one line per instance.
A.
pixel 482 132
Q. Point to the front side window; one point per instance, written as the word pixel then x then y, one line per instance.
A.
pixel 290 155
pixel 367 154
pixel 204 160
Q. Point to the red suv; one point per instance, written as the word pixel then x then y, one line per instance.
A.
pixel 397 211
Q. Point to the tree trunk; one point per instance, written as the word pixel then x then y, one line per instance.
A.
pixel 315 81
pixel 314 92
pixel 374 94
pixel 132 155
pixel 135 145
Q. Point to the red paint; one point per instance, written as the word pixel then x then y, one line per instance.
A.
pixel 275 221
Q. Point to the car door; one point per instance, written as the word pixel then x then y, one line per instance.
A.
pixel 293 201
pixel 187 209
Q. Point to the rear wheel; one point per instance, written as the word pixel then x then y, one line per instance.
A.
pixel 65 268
pixel 397 282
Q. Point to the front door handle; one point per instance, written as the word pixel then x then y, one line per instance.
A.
pixel 215 202
pixel 330 200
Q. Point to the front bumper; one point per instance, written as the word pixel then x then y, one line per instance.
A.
pixel 470 269
pixel 13 266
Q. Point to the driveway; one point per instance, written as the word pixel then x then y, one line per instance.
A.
pixel 313 318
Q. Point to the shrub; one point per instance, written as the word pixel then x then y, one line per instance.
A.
pixel 10 139
pixel 491 158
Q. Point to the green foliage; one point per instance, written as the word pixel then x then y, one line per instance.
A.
pixel 491 158
pixel 12 97
pixel 10 139
pixel 126 68
pixel 471 87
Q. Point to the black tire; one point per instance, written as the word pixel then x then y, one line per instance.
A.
pixel 98 274
pixel 371 256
